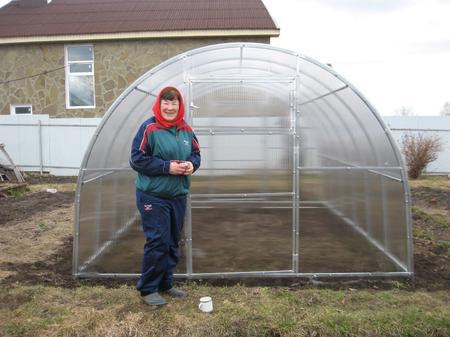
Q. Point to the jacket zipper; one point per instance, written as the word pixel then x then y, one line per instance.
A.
pixel 178 145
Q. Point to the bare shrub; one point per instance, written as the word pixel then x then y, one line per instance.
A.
pixel 445 111
pixel 420 150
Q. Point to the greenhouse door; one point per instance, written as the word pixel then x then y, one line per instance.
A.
pixel 242 199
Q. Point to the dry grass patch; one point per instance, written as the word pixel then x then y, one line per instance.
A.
pixel 239 311
pixel 440 182
pixel 64 187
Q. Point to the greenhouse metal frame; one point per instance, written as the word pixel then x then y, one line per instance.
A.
pixel 300 176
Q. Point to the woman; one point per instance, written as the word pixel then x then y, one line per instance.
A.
pixel 165 152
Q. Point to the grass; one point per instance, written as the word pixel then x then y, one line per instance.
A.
pixel 29 189
pixel 239 311
pixel 440 182
pixel 430 219
pixel 65 187
pixel 444 245
pixel 19 191
pixel 433 228
pixel 42 226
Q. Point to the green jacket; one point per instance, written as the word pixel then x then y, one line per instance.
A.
pixel 154 146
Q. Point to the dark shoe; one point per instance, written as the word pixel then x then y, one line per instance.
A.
pixel 154 299
pixel 176 293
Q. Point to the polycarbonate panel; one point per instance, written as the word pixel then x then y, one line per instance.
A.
pixel 396 228
pixel 372 127
pixel 361 148
pixel 241 104
pixel 239 236
pixel 89 221
pixel 328 244
pixel 244 163
pixel 350 141
pixel 342 145
pixel 310 144
pixel 314 137
pixel 270 61
pixel 331 239
pixel 104 207
pixel 154 81
pixel 273 126
pixel 103 154
pixel 213 61
pixel 315 81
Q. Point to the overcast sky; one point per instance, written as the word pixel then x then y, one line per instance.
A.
pixel 397 52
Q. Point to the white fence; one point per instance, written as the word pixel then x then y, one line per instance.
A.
pixel 39 143
pixel 57 145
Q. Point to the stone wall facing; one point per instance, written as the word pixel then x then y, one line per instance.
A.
pixel 117 64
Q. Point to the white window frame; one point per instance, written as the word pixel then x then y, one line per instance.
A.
pixel 68 74
pixel 12 108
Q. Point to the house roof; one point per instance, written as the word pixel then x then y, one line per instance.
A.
pixel 80 17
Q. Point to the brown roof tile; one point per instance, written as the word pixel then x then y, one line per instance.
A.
pixel 66 17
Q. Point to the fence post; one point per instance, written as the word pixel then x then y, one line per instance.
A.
pixel 40 147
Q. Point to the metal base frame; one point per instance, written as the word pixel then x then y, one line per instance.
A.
pixel 265 274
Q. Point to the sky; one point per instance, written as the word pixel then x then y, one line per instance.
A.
pixel 396 52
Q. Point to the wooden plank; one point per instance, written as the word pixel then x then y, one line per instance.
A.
pixel 19 176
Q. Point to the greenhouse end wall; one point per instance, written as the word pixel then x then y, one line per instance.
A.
pixel 299 175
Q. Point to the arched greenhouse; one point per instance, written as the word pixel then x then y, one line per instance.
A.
pixel 299 176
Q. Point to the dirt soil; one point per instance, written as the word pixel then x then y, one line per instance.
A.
pixel 18 209
pixel 432 237
pixel 33 179
pixel 36 244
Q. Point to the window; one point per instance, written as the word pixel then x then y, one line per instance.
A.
pixel 80 91
pixel 21 109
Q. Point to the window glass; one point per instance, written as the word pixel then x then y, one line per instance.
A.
pixel 80 68
pixel 80 81
pixel 80 53
pixel 23 110
pixel 81 90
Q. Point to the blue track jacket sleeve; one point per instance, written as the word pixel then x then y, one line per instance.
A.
pixel 195 157
pixel 141 159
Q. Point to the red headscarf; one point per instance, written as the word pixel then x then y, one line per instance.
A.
pixel 157 110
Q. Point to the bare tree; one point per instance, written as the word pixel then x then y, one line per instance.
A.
pixel 405 111
pixel 445 111
pixel 420 150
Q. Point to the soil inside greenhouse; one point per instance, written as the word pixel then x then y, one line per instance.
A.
pixel 36 245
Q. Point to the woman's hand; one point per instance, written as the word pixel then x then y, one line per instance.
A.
pixel 189 168
pixel 177 168
pixel 181 167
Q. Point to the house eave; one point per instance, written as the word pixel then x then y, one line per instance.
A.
pixel 142 35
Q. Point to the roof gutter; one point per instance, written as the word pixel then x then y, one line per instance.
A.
pixel 142 35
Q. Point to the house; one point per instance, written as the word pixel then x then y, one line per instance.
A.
pixel 73 58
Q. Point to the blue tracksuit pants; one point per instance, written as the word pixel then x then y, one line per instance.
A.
pixel 162 222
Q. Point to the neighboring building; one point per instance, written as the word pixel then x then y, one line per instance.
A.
pixel 73 58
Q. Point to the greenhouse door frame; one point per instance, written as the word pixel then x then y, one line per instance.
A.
pixel 292 83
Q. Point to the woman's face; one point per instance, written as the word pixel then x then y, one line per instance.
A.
pixel 169 109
